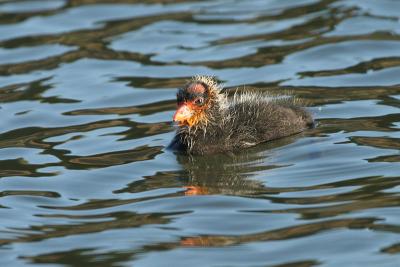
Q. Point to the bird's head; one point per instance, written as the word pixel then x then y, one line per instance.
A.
pixel 196 101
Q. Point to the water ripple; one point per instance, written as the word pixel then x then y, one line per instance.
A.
pixel 87 92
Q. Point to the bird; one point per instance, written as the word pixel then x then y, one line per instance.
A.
pixel 211 121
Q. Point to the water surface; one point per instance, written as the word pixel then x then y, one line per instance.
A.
pixel 87 92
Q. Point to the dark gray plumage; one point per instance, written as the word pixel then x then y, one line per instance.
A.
pixel 223 123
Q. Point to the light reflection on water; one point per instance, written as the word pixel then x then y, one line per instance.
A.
pixel 87 91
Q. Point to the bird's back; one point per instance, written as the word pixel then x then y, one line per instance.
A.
pixel 258 118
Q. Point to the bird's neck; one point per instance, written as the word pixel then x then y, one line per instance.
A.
pixel 195 135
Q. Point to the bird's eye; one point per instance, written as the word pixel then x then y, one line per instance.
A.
pixel 199 101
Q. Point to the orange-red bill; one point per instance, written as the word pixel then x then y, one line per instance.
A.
pixel 183 113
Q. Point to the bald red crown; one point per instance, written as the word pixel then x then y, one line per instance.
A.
pixel 196 88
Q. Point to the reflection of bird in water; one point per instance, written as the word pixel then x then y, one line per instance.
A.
pixel 229 174
pixel 218 174
pixel 224 173
pixel 211 122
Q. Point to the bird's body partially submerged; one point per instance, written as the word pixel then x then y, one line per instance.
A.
pixel 211 122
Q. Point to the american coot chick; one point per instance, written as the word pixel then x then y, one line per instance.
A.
pixel 211 122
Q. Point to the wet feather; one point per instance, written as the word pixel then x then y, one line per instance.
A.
pixel 242 120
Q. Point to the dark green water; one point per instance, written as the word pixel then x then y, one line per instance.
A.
pixel 87 92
